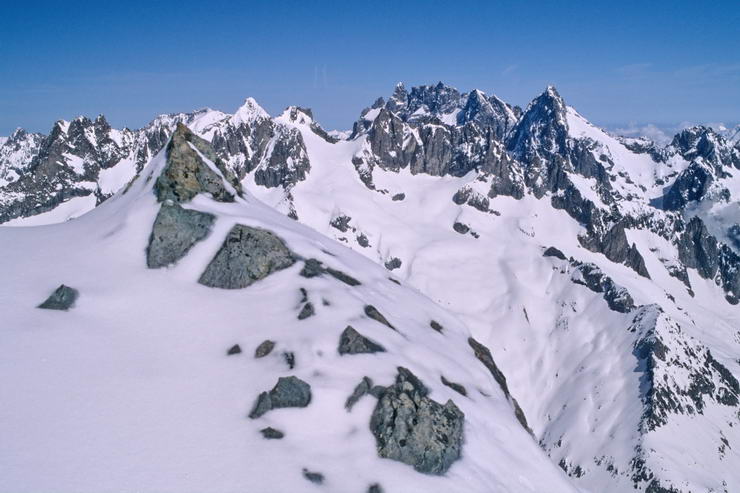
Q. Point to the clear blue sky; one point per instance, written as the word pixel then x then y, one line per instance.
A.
pixel 617 62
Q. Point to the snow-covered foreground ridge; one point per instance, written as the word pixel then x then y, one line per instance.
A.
pixel 190 301
pixel 603 273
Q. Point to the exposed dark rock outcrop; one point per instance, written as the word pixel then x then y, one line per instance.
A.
pixel 186 173
pixel 314 477
pixel 461 228
pixel 698 249
pixel 589 275
pixel 362 240
pixel 661 349
pixel 341 223
pixel 174 233
pixel 264 349
pixel 314 268
pixel 393 263
pixel 484 356
pixel 63 298
pixel 287 392
pixel 554 252
pixel 411 428
pixel 373 313
pixel 691 185
pixel 246 256
pixel 307 311
pixel 352 342
pixel 472 198
pixel 271 433
pixel 615 247
pixel 460 389
pixel 363 388
pixel 235 349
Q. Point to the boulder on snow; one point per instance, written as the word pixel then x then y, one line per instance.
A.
pixel 460 389
pixel 352 342
pixel 307 311
pixel 554 252
pixel 363 388
pixel 314 477
pixel 363 240
pixel 264 349
pixel 314 268
pixel 411 428
pixel 436 326
pixel 235 349
pixel 461 228
pixel 246 256
pixel 341 223
pixel 373 313
pixel 174 233
pixel 271 433
pixel 287 392
pixel 393 263
pixel 63 298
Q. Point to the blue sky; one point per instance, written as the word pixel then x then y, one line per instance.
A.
pixel 616 62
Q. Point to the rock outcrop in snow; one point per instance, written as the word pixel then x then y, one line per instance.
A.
pixel 63 298
pixel 412 428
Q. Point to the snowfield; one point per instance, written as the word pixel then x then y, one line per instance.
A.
pixel 600 271
pixel 132 390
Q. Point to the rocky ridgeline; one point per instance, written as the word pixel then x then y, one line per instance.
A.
pixel 434 130
pixel 678 374
pixel 407 424
pixel 437 130
pixel 37 172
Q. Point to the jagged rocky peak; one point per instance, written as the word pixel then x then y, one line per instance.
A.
pixel 18 134
pixel 543 128
pixel 489 112
pixel 249 113
pixel 703 142
pixel 298 114
pixel 304 116
pixel 437 100
pixel 398 101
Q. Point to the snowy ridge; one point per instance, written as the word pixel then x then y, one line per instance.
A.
pixel 602 272
pixel 167 401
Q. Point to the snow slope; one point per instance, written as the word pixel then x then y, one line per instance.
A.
pixel 570 359
pixel 625 369
pixel 132 390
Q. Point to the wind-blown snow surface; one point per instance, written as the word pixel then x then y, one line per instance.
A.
pixel 131 390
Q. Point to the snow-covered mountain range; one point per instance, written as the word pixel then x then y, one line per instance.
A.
pixel 602 272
